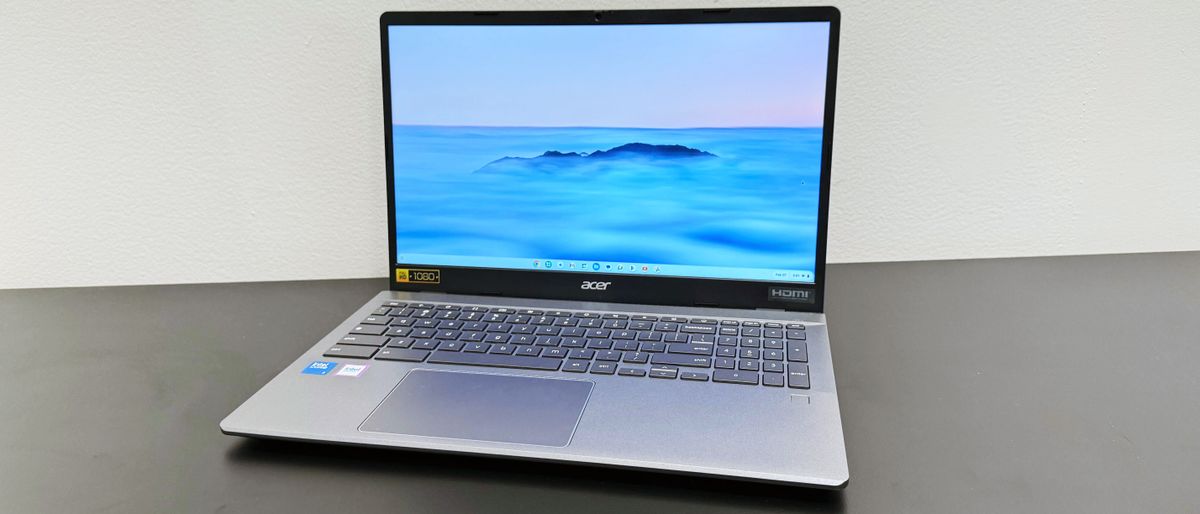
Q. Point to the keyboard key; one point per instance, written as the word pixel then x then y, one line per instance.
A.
pixel 575 366
pixel 748 365
pixel 423 333
pixel 350 352
pixel 477 347
pixel 772 367
pixel 681 360
pixel 531 351
pixel 751 332
pixel 452 346
pixel 724 363
pixel 796 334
pixel 772 332
pixel 773 344
pixel 748 353
pixel 727 341
pixel 608 355
pixel 653 347
pixel 773 380
pixel 726 351
pixel 697 329
pixel 703 321
pixel 798 376
pixel 773 325
pixel 691 349
pixel 751 324
pixel 363 340
pixel 393 303
pixel 795 326
pixel 625 346
pixel 632 372
pixel 604 368
pixel 599 344
pixel 643 317
pixel 735 377
pixel 376 320
pixel 636 357
pixel 581 353
pixel 401 342
pixel 424 344
pixel 657 372
pixel 675 338
pixel 557 353
pixel 649 336
pixel 503 349
pixel 369 330
pixel 773 355
pixel 399 354
pixel 693 375
pixel 399 331
pixel 797 351
pixel 491 359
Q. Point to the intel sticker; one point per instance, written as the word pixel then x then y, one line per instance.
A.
pixel 351 370
pixel 319 368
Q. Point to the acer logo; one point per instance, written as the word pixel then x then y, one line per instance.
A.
pixel 595 286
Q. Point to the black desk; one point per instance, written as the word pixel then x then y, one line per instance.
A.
pixel 1016 385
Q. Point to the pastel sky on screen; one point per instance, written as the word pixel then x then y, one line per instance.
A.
pixel 669 76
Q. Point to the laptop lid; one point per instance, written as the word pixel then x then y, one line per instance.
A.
pixel 675 157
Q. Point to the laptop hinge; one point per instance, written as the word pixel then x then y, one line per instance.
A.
pixel 770 310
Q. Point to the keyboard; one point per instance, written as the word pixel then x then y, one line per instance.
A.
pixel 727 351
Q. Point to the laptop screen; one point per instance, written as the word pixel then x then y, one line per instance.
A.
pixel 689 150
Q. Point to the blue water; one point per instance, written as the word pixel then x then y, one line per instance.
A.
pixel 754 205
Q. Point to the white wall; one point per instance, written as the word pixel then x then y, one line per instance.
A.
pixel 154 142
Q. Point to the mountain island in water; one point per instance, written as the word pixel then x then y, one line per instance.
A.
pixel 553 160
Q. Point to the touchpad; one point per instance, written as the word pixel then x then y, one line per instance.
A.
pixel 483 407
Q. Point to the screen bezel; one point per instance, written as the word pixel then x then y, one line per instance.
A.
pixel 624 288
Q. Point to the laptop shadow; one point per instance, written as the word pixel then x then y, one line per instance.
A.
pixel 490 483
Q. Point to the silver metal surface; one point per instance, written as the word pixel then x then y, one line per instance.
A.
pixel 750 432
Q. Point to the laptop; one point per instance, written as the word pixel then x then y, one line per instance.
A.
pixel 607 238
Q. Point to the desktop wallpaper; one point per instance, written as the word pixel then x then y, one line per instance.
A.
pixel 694 145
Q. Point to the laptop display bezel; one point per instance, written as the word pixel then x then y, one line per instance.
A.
pixel 622 288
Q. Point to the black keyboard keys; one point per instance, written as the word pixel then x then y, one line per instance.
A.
pixel 735 377
pixel 400 354
pixel 798 376
pixel 350 351
pixel 797 351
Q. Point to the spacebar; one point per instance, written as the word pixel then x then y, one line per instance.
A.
pixel 491 359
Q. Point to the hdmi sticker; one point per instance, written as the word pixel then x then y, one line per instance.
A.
pixel 418 276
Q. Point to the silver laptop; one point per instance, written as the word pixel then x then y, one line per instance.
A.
pixel 607 246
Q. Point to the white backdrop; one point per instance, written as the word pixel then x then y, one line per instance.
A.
pixel 153 142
